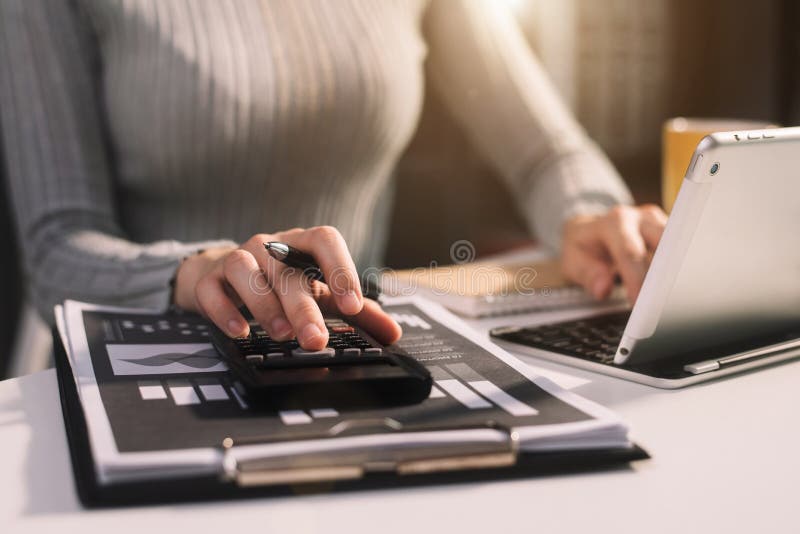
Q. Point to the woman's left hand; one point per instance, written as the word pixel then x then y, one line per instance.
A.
pixel 597 248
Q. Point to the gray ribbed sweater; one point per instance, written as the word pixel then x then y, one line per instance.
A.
pixel 137 131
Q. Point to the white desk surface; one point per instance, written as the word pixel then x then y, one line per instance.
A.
pixel 726 458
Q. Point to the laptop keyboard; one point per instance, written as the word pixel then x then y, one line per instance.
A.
pixel 595 338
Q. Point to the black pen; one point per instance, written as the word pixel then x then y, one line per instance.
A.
pixel 298 259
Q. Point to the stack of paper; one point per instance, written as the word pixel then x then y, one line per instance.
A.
pixel 159 402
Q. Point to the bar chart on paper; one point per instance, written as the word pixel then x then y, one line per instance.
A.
pixel 196 391
pixel 134 349
pixel 474 391
pixel 183 391
pixel 456 381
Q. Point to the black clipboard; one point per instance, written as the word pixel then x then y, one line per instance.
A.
pixel 199 488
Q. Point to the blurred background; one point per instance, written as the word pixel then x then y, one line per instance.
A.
pixel 623 66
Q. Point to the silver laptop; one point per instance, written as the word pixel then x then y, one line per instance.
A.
pixel 722 294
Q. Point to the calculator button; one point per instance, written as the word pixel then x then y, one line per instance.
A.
pixel 373 351
pixel 342 329
pixel 254 358
pixel 351 351
pixel 327 351
pixel 274 355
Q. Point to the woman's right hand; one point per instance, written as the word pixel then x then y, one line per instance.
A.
pixel 284 301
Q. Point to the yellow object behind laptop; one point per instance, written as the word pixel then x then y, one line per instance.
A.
pixel 679 139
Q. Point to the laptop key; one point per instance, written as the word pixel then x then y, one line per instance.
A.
pixel 533 338
pixel 595 354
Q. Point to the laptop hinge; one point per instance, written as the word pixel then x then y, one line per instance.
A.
pixel 743 357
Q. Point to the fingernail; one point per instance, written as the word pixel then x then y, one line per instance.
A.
pixel 310 333
pixel 350 303
pixel 237 328
pixel 281 327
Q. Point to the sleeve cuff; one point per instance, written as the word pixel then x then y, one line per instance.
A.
pixel 579 183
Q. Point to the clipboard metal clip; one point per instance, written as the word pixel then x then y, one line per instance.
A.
pixel 247 465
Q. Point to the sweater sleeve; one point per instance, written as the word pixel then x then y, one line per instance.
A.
pixel 60 178
pixel 489 78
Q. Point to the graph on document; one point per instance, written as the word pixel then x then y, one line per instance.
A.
pixel 474 391
pixel 455 381
pixel 460 380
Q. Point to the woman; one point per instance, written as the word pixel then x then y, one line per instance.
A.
pixel 149 142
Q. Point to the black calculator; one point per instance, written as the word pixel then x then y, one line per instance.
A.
pixel 353 370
